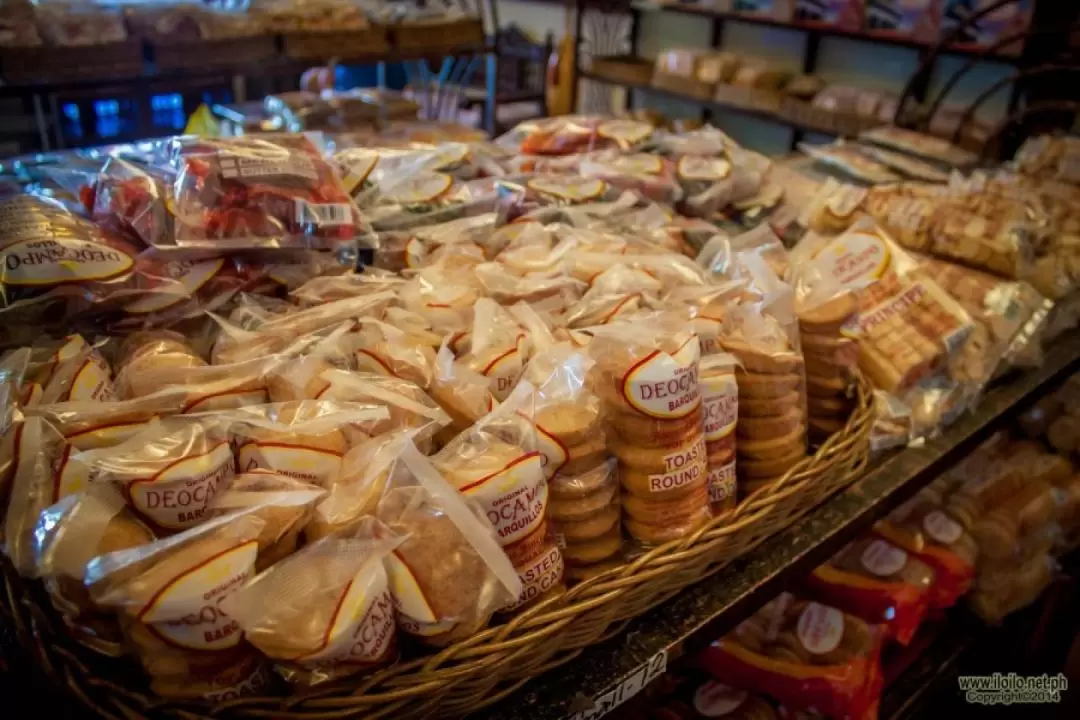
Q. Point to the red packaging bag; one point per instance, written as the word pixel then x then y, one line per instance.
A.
pixel 259 191
pixel 803 654
pixel 875 580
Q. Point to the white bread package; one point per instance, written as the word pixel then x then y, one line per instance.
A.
pixel 498 347
pixel 169 596
pixel 304 439
pixel 284 504
pixel 67 537
pixel 496 464
pixel 169 472
pixel 450 575
pixel 325 612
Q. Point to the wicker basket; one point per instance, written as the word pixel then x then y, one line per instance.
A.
pixel 342 44
pixel 623 69
pixel 691 87
pixel 491 664
pixel 438 35
pixel 228 52
pixel 60 64
pixel 826 121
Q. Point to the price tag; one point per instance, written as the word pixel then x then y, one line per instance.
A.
pixel 629 687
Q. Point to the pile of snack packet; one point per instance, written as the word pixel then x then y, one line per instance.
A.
pixel 227 450
pixel 990 529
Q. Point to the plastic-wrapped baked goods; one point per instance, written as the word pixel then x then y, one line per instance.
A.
pixel 647 376
pixel 167 593
pixel 920 145
pixel 878 582
pixel 804 654
pixel 325 612
pixel 720 417
pixel 497 465
pixel 450 574
pixel 574 133
pixel 849 161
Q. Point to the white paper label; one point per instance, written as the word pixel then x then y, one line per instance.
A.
pixel 665 386
pixel 323 214
pixel 187 612
pixel 941 527
pixel 720 405
pixel 645 674
pixel 820 628
pixel 177 497
pixel 362 629
pixel 721 482
pixel 35 263
pixel 715 699
pixel 513 498
pixel 883 559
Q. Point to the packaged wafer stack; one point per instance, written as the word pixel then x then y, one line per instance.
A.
pixel 584 509
pixel 720 414
pixel 647 377
pixel 828 332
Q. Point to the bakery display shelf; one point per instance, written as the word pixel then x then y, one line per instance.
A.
pixel 713 104
pixel 270 66
pixel 604 675
pixel 883 38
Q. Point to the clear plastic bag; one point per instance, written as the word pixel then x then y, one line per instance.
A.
pixel 497 465
pixel 264 191
pixel 168 596
pixel 498 347
pixel 325 612
pixel 461 391
pixel 450 574
pixel 68 535
pixel 569 134
pixel 385 350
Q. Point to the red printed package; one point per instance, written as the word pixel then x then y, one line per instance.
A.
pixel 803 654
pixel 570 134
pixel 229 193
pixel 940 542
pixel 878 582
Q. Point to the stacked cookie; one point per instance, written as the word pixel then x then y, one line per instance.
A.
pixel 831 357
pixel 771 428
pixel 584 507
pixel 653 402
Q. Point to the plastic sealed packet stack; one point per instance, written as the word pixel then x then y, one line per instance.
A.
pixel 647 374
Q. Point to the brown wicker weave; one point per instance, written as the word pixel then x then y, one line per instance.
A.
pixel 491 664
pixel 229 52
pixel 342 44
pixel 747 97
pixel 623 69
pixel 807 115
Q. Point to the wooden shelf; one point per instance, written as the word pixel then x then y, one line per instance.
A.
pixel 820 30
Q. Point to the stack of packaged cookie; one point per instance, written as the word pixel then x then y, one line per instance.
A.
pixel 647 374
pixel 585 507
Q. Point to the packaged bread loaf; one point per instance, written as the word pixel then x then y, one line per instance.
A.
pixel 450 575
pixel 497 465
pixel 647 376
pixel 803 654
pixel 325 612
pixel 879 582
pixel 67 537
pixel 169 595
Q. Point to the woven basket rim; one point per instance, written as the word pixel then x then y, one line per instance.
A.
pixel 429 678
